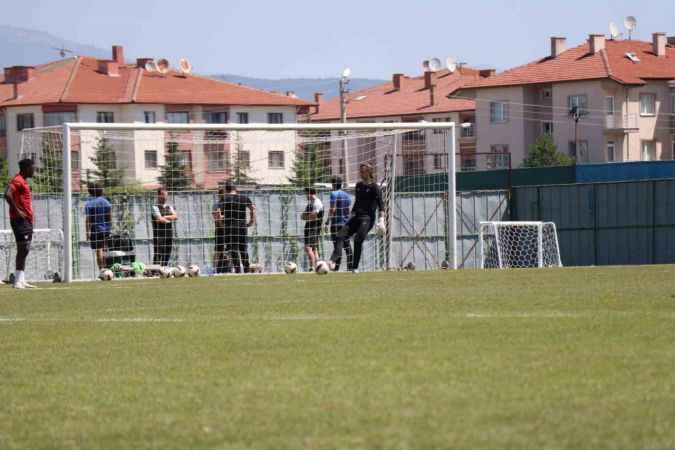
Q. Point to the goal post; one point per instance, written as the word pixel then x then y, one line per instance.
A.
pixel 518 244
pixel 272 164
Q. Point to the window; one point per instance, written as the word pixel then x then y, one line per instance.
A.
pixel 275 160
pixel 74 161
pixel 611 148
pixel 24 121
pixel 151 159
pixel 439 161
pixel 440 119
pixel 499 159
pixel 59 118
pixel 468 162
pixel 105 117
pixel 275 118
pixel 178 117
pixel 3 126
pixel 609 106
pixel 545 94
pixel 341 167
pixel 216 160
pixel 648 151
pixel 647 104
pixel 547 128
pixel 244 158
pixel 242 117
pixel 150 116
pixel 580 102
pixel 215 117
pixel 467 131
pixel 580 155
pixel 413 164
pixel 498 112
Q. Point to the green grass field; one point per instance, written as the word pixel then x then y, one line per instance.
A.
pixel 530 359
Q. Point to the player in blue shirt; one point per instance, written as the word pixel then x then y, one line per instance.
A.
pixel 338 215
pixel 98 213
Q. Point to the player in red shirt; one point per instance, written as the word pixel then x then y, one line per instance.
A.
pixel 21 218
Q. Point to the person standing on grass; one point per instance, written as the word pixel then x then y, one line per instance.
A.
pixel 338 214
pixel 20 201
pixel 163 218
pixel 98 213
pixel 368 201
pixel 229 214
pixel 313 217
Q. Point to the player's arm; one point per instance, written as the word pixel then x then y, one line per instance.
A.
pixel 173 216
pixel 380 207
pixel 87 225
pixel 217 215
pixel 251 211
pixel 157 216
pixel 11 191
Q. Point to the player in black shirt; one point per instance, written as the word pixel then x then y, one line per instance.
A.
pixel 163 216
pixel 229 214
pixel 368 201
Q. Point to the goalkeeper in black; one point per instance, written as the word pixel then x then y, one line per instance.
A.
pixel 368 200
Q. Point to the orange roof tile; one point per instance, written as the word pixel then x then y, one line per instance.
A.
pixel 411 99
pixel 78 80
pixel 578 64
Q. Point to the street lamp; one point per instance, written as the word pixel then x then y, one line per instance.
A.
pixel 344 81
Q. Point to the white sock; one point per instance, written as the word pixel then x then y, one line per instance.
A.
pixel 19 276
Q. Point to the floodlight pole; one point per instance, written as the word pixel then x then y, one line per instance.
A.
pixel 344 81
pixel 452 199
pixel 67 208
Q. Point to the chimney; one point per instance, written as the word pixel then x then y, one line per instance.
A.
pixel 596 42
pixel 118 54
pixel 291 94
pixel 110 68
pixel 659 44
pixel 396 81
pixel 557 46
pixel 432 96
pixel 487 73
pixel 671 41
pixel 141 62
pixel 19 74
pixel 428 76
pixel 318 99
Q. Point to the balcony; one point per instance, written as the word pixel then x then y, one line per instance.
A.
pixel 467 133
pixel 626 123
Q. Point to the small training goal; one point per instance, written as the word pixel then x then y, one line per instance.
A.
pixel 507 245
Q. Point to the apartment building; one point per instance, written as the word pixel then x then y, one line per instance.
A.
pixel 85 89
pixel 602 101
pixel 407 99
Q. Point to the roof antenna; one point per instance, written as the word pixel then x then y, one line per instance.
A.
pixel 630 23
pixel 63 51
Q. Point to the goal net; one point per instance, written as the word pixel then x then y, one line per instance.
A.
pixel 507 245
pixel 244 198
pixel 45 260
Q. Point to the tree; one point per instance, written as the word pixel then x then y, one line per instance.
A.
pixel 310 166
pixel 105 163
pixel 173 174
pixel 544 153
pixel 4 173
pixel 49 174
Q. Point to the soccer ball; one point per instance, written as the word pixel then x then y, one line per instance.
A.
pixel 193 270
pixel 138 268
pixel 410 266
pixel 321 268
pixel 290 267
pixel 255 268
pixel 165 272
pixel 445 265
pixel 106 275
pixel 380 228
pixel 179 272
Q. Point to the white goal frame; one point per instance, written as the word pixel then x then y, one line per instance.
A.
pixel 541 260
pixel 451 219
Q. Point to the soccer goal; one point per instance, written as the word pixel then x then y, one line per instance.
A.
pixel 45 260
pixel 99 183
pixel 508 245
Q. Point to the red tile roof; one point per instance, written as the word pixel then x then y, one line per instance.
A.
pixel 411 99
pixel 78 80
pixel 578 64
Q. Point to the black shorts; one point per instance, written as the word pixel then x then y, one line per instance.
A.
pixel 227 237
pixel 99 239
pixel 23 230
pixel 312 237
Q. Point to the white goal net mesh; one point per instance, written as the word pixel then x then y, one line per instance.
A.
pixel 245 200
pixel 509 245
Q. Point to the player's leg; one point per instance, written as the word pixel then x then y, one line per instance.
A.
pixel 243 250
pixel 350 255
pixel 167 247
pixel 23 233
pixel 333 237
pixel 364 225
pixel 156 252
pixel 342 236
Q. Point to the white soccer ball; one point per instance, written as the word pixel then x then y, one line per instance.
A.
pixel 321 268
pixel 165 272
pixel 290 267
pixel 380 228
pixel 255 268
pixel 179 272
pixel 193 270
pixel 106 275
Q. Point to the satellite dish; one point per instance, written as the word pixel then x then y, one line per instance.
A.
pixel 435 64
pixel 630 23
pixel 163 66
pixel 151 66
pixel 185 66
pixel 451 64
pixel 347 72
pixel 614 30
pixel 425 65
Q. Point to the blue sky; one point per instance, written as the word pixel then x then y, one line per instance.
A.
pixel 318 38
